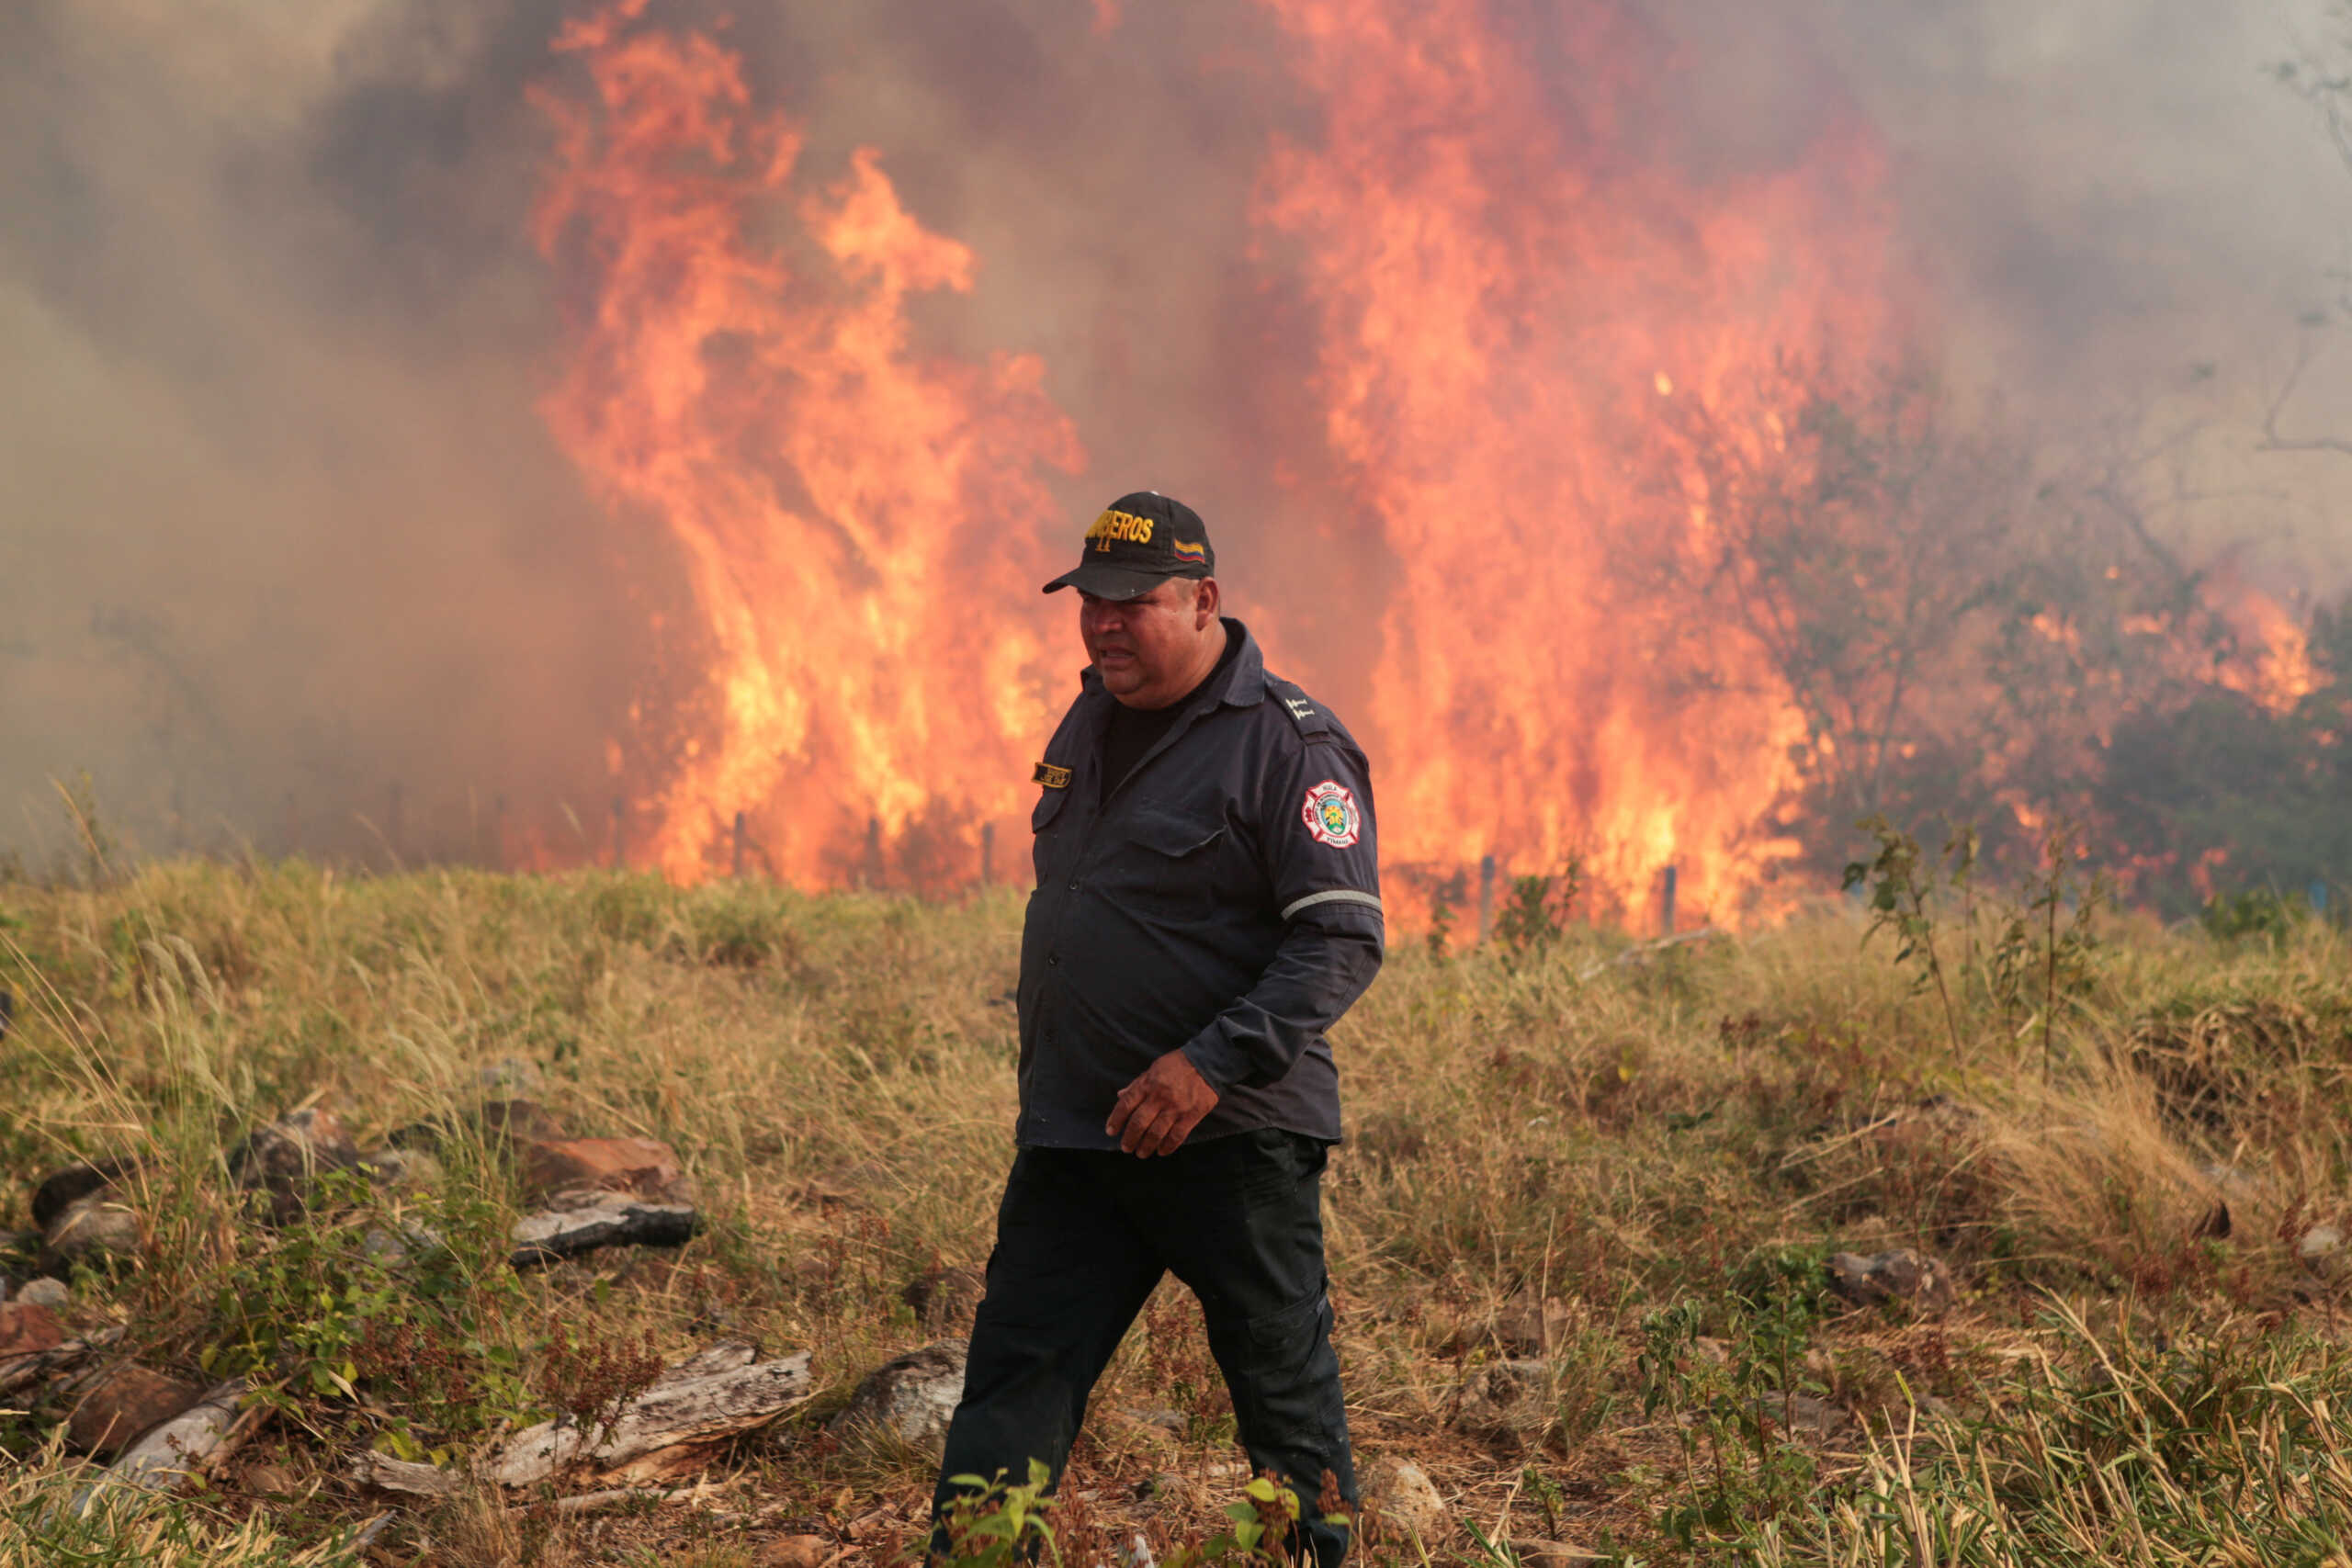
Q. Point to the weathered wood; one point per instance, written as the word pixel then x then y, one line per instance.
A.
pixel 613 1496
pixel 20 1371
pixel 386 1473
pixel 181 1449
pixel 668 1431
pixel 583 1221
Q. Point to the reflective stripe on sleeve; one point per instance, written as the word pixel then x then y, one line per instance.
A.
pixel 1337 896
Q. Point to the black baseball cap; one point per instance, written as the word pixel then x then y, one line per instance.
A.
pixel 1141 540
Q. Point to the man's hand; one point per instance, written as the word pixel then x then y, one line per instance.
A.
pixel 1157 1112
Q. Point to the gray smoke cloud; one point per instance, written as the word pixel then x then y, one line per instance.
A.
pixel 281 529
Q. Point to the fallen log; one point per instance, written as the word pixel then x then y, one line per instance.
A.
pixel 670 1429
pixel 386 1473
pixel 575 1223
pixel 181 1449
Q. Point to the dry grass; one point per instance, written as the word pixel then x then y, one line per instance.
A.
pixel 1623 1139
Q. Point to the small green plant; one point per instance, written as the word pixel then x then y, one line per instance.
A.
pixel 2256 914
pixel 1537 911
pixel 997 1524
pixel 1901 884
pixel 2046 945
pixel 1548 1494
pixel 413 1304
pixel 1441 931
pixel 1736 1405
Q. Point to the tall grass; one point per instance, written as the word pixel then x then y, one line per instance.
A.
pixel 2141 1335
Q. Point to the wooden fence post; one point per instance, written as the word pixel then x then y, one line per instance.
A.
pixel 620 833
pixel 987 853
pixel 1666 903
pixel 1486 893
pixel 738 872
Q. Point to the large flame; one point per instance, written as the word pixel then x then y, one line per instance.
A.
pixel 1526 308
pixel 1508 301
pixel 854 520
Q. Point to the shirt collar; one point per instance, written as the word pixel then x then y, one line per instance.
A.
pixel 1241 685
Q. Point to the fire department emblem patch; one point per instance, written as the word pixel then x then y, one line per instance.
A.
pixel 1330 815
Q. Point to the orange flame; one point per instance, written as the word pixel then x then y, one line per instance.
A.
pixel 854 519
pixel 1505 300
pixel 2274 657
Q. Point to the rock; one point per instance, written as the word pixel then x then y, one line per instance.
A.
pixel 91 1230
pixel 1171 1422
pixel 1406 1502
pixel 44 1292
pixel 910 1398
pixel 388 1475
pixel 1803 1416
pixel 2231 1182
pixel 62 1188
pixel 673 1427
pixel 27 1327
pixel 284 1157
pixel 1530 1324
pixel 795 1551
pixel 509 1075
pixel 122 1403
pixel 642 1168
pixel 271 1481
pixel 1504 1399
pixel 574 1223
pixel 946 1299
pixel 394 1245
pixel 402 1169
pixel 1901 1275
pixel 2320 1241
pixel 1534 1553
pixel 179 1449
pixel 519 1122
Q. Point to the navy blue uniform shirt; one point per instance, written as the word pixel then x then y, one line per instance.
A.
pixel 1222 899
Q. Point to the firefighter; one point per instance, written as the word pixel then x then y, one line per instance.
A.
pixel 1207 906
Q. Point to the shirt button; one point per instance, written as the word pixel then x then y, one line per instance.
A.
pixel 1073 885
pixel 1052 961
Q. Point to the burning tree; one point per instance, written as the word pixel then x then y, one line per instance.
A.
pixel 1982 632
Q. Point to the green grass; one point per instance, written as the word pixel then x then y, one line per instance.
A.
pixel 1667 1148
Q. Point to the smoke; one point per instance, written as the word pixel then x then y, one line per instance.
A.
pixel 282 528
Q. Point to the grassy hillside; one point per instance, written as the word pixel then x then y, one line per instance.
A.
pixel 1626 1174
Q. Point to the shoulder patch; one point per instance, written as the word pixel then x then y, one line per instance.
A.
pixel 1305 712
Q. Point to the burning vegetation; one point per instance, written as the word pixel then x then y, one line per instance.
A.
pixel 1689 559
pixel 1604 445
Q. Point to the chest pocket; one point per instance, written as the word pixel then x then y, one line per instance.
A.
pixel 1171 865
pixel 1049 806
pixel 1177 837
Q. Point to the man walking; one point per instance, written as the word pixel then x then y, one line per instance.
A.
pixel 1207 905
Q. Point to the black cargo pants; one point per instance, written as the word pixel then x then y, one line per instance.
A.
pixel 1082 1237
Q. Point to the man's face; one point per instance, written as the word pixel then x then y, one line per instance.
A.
pixel 1150 650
